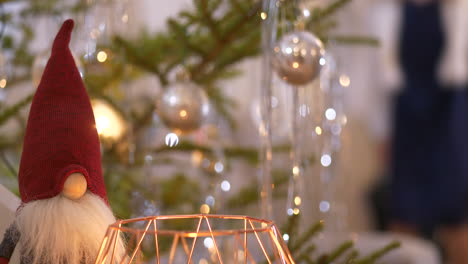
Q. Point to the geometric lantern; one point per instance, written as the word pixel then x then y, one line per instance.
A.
pixel 194 239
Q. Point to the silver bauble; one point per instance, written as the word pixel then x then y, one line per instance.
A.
pixel 183 107
pixel 40 62
pixel 298 57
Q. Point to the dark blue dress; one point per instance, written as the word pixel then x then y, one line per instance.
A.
pixel 430 138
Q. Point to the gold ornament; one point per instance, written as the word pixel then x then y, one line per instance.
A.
pixel 183 107
pixel 298 57
pixel 109 123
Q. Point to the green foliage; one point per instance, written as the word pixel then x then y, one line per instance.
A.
pixel 303 249
pixel 8 112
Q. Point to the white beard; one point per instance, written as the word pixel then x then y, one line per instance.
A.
pixel 63 231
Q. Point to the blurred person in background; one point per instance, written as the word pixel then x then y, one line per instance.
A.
pixel 424 61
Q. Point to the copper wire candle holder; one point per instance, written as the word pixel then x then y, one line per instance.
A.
pixel 197 239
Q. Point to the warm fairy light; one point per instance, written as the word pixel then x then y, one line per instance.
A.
pixel 101 56
pixel 297 200
pixel 318 130
pixel 183 113
pixel 296 211
pixel 295 65
pixel 197 157
pixel 295 170
pixel 3 83
pixel 263 15
pixel 205 209
pixel 344 80
pixel 125 18
pixel 344 120
pixel 109 123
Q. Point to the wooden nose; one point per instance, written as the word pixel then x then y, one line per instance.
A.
pixel 75 186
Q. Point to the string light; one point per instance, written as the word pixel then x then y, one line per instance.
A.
pixel 208 242
pixel 318 130
pixel 125 18
pixel 330 114
pixel 183 113
pixel 344 80
pixel 205 209
pixel 325 160
pixel 3 83
pixel 322 61
pixel 219 167
pixel 295 170
pixel 225 186
pixel 210 200
pixel 324 206
pixel 297 200
pixel 101 56
pixel 171 140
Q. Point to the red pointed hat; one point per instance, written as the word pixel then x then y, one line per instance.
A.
pixel 61 136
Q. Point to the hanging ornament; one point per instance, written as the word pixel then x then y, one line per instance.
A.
pixel 183 107
pixel 298 57
pixel 109 123
pixel 40 62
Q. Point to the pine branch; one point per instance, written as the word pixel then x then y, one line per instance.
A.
pixel 13 110
pixel 207 16
pixel 322 14
pixel 310 232
pixel 230 35
pixel 379 253
pixel 351 257
pixel 250 154
pixel 8 164
pixel 339 251
pixel 291 228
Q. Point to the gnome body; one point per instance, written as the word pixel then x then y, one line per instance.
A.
pixel 64 212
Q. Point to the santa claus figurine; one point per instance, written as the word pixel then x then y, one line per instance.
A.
pixel 64 212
